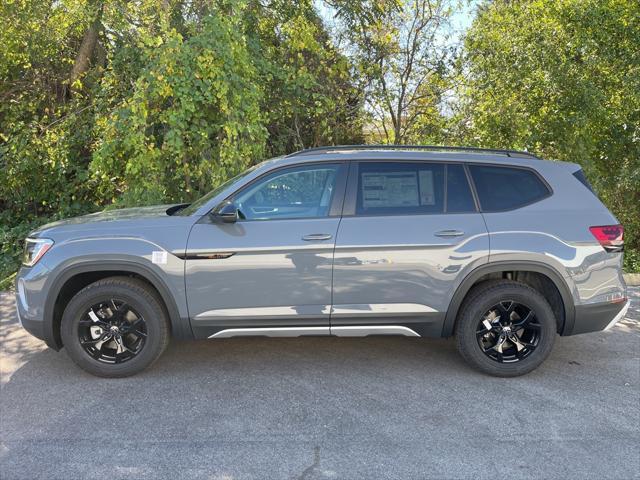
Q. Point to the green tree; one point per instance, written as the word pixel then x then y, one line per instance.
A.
pixel 561 78
pixel 400 51
pixel 45 132
pixel 310 94
pixel 128 103
pixel 192 118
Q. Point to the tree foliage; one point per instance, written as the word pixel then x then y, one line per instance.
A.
pixel 400 51
pixel 191 118
pixel 561 78
pixel 130 103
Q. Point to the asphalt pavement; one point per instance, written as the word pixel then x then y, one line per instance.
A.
pixel 322 408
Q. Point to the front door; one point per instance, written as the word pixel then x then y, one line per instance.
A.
pixel 269 273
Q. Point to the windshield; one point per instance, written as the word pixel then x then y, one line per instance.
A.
pixel 191 209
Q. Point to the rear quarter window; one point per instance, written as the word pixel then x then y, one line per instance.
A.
pixel 582 178
pixel 506 188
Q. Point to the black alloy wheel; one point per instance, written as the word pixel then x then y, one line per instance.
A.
pixel 112 331
pixel 508 332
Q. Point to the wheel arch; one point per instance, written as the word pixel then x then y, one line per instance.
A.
pixel 565 324
pixel 75 277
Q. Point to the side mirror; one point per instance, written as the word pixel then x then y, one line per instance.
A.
pixel 227 213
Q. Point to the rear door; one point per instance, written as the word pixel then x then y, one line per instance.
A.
pixel 410 232
pixel 270 272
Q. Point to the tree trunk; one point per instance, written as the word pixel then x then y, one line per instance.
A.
pixel 397 139
pixel 85 52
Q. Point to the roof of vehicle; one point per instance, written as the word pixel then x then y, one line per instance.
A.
pixel 415 153
pixel 411 148
pixel 409 152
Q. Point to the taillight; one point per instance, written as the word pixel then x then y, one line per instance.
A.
pixel 610 237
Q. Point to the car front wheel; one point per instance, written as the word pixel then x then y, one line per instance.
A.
pixel 115 327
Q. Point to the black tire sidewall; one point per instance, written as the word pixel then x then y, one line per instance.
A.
pixel 482 301
pixel 142 302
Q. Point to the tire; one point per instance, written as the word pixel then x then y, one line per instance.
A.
pixel 502 305
pixel 143 334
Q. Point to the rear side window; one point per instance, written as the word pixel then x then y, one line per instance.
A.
pixel 459 196
pixel 504 188
pixel 400 188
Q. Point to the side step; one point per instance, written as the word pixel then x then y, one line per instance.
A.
pixel 342 331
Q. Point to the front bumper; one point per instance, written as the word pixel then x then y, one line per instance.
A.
pixel 27 318
pixel 599 316
pixel 30 299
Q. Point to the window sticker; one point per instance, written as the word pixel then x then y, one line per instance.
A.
pixel 390 189
pixel 427 192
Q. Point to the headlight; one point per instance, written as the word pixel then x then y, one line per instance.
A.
pixel 34 249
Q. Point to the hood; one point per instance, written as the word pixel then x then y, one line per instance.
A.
pixel 137 213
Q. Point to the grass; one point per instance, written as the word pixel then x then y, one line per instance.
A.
pixel 7 283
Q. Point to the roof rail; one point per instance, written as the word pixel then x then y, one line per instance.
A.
pixel 318 150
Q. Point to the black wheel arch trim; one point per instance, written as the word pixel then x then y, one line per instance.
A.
pixel 180 327
pixel 506 266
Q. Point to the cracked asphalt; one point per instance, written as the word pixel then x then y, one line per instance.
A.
pixel 322 408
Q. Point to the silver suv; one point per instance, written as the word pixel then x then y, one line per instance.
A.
pixel 499 248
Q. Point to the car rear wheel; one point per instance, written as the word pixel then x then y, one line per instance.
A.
pixel 115 327
pixel 505 328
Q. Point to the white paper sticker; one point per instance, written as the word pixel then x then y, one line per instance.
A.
pixel 389 189
pixel 159 257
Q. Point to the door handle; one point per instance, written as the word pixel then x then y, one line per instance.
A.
pixel 316 236
pixel 449 233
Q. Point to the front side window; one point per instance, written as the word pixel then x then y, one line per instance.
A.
pixel 193 208
pixel 504 188
pixel 296 192
pixel 396 188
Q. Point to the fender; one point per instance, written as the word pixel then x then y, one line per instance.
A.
pixel 180 327
pixel 525 266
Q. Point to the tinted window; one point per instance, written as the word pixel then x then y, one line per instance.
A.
pixel 503 188
pixel 400 188
pixel 583 179
pixel 459 197
pixel 297 192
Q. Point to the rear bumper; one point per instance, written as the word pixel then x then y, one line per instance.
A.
pixel 598 316
pixel 621 314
